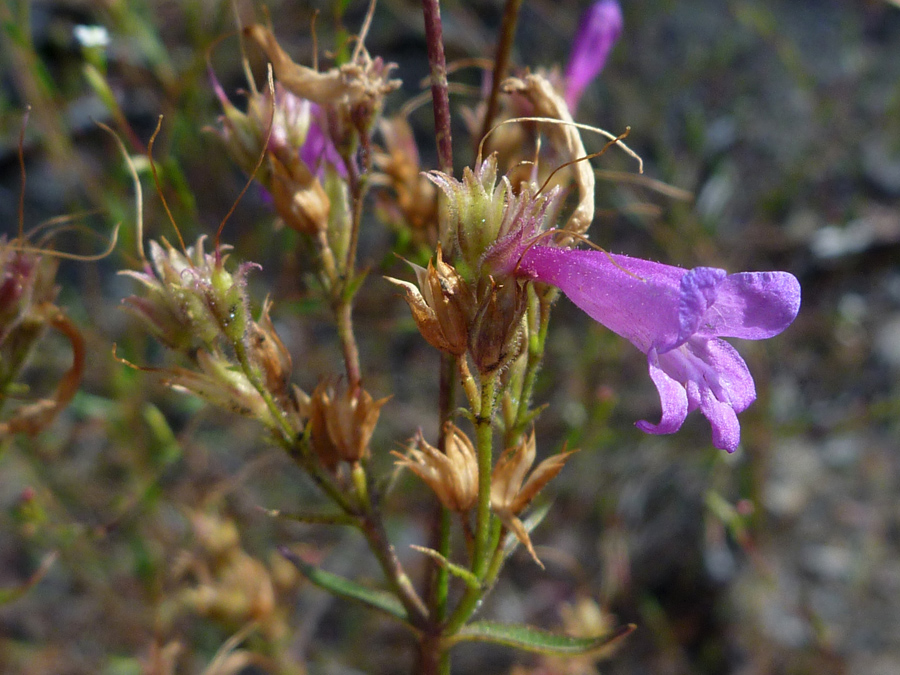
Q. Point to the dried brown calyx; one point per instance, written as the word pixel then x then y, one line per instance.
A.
pixel 511 493
pixel 341 423
pixel 452 474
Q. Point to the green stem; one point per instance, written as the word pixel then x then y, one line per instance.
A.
pixel 298 450
pixel 358 184
pixel 483 446
pixel 536 344
pixel 343 314
pixel 252 373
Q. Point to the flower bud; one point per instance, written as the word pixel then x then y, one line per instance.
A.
pixel 191 298
pixel 472 215
pixel 441 305
pixel 453 474
pixel 342 423
pixel 497 336
pixel 296 152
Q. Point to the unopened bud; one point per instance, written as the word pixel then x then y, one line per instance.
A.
pixel 441 305
pixel 473 213
pixel 498 336
pixel 191 297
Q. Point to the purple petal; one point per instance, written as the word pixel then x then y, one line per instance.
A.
pixel 753 306
pixel 318 148
pixel 726 430
pixel 715 377
pixel 699 288
pixel 634 298
pixel 672 396
pixel 598 31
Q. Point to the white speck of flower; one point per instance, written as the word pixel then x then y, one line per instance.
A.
pixel 91 36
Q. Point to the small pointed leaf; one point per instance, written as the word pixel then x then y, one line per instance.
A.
pixel 347 589
pixel 470 579
pixel 536 640
pixel 538 513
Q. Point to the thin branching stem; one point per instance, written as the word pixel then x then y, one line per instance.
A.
pixel 501 61
pixel 372 527
pixel 342 297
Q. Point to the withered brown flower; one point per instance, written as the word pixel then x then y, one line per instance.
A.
pixel 509 496
pixel 452 474
pixel 342 422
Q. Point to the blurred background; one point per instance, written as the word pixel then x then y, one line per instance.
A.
pixel 779 124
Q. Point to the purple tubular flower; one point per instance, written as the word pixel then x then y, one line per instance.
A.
pixel 598 31
pixel 677 317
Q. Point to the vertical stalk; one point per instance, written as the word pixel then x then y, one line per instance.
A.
pixel 501 60
pixel 344 317
pixel 433 659
pixel 434 38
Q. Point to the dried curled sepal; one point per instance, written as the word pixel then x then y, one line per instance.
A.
pixel 453 474
pixel 511 493
pixel 565 138
pixel 363 80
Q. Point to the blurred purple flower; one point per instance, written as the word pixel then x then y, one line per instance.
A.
pixel 598 31
pixel 677 317
pixel 318 148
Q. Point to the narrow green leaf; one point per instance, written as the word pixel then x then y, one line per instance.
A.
pixel 101 87
pixel 312 518
pixel 470 579
pixel 536 640
pixel 349 590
